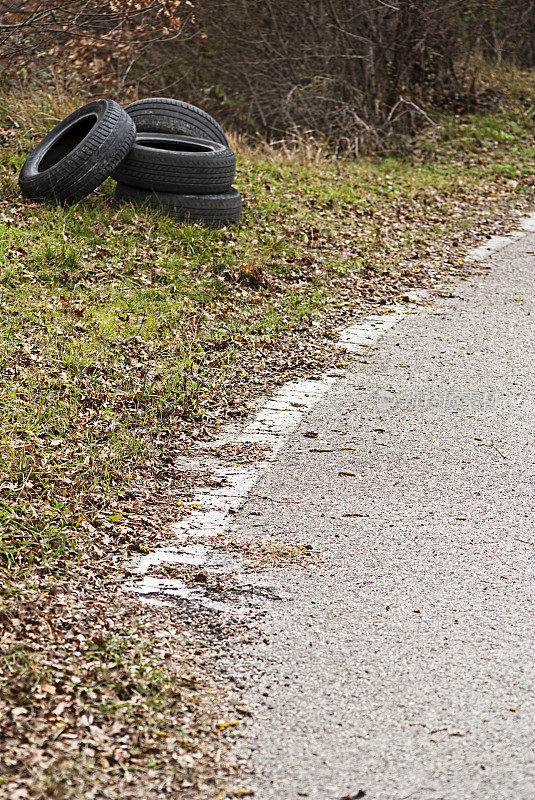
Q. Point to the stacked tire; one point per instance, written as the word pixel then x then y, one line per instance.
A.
pixel 162 152
pixel 180 161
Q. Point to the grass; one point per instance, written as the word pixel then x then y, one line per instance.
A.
pixel 123 336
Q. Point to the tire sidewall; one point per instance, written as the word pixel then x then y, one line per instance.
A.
pixel 30 169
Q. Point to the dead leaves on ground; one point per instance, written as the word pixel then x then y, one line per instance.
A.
pixel 86 691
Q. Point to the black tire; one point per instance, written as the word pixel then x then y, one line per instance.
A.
pixel 215 210
pixel 79 153
pixel 166 115
pixel 163 162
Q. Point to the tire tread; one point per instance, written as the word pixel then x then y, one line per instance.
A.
pixel 178 172
pixel 215 210
pixel 168 115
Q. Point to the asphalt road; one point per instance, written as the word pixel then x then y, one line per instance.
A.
pixel 401 666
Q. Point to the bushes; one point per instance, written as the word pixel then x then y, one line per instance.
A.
pixel 356 72
pixel 90 38
pixel 351 71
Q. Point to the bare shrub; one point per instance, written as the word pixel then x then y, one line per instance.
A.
pixel 358 74
pixel 86 38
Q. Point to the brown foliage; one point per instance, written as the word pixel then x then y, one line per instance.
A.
pixel 354 72
pixel 86 38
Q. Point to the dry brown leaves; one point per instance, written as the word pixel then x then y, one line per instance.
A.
pixel 96 703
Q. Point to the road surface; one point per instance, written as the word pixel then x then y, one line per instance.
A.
pixel 401 666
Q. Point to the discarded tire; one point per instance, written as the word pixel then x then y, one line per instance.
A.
pixel 79 153
pixel 167 115
pixel 160 165
pixel 216 210
pixel 165 162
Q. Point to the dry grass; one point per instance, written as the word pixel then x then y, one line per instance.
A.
pixel 259 554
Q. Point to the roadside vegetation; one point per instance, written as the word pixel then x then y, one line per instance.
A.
pixel 124 339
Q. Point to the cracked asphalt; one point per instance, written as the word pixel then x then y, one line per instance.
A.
pixel 401 666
